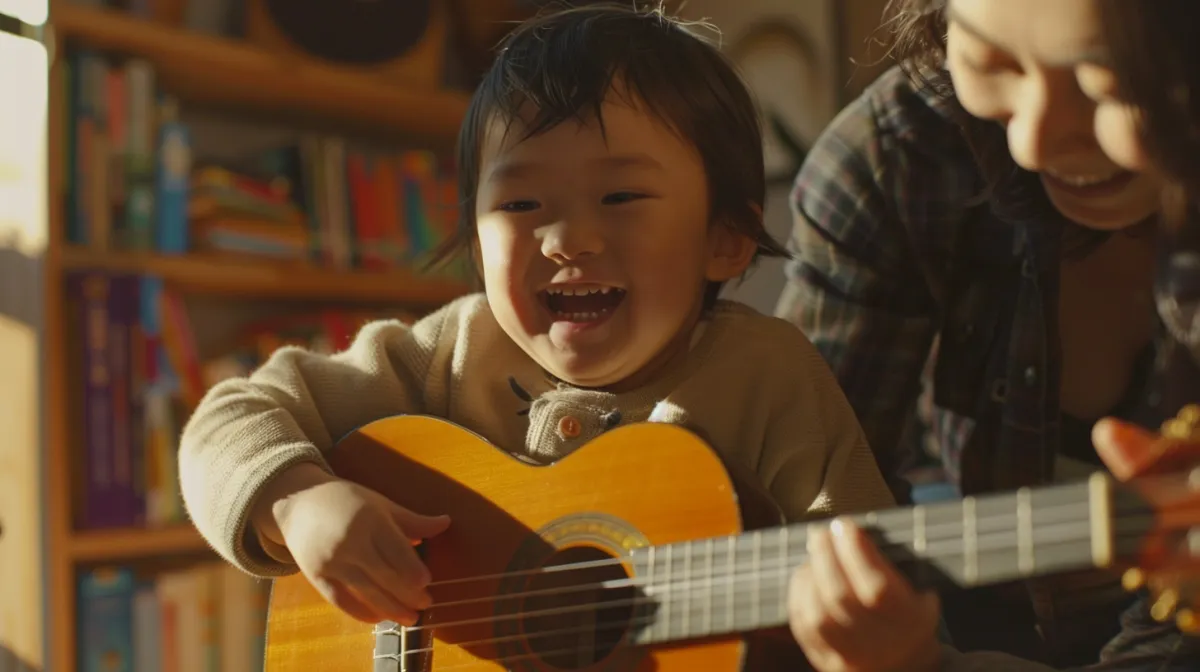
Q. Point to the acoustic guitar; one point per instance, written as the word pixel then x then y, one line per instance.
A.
pixel 643 551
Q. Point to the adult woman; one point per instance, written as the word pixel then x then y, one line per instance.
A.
pixel 965 199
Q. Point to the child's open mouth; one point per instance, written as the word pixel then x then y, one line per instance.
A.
pixel 582 303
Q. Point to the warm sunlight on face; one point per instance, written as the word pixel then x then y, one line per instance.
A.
pixel 1037 66
pixel 596 248
pixel 1116 121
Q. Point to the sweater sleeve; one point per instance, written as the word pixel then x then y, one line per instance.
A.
pixel 296 406
pixel 816 461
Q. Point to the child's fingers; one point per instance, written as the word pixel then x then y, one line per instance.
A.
pixel 804 607
pixel 830 584
pixel 368 584
pixel 402 568
pixel 417 526
pixel 339 595
pixel 874 582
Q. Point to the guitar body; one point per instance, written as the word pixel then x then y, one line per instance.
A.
pixel 634 486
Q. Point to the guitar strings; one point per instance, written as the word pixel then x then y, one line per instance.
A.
pixel 862 521
pixel 995 541
pixel 935 534
pixel 609 624
pixel 745 572
pixel 940 534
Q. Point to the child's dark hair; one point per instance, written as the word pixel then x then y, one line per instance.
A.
pixel 565 62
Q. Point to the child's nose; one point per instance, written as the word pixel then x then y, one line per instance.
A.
pixel 564 242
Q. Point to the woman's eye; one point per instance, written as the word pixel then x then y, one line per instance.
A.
pixel 620 197
pixel 989 65
pixel 983 59
pixel 519 206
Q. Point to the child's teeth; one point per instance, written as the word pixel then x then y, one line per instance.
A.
pixel 569 291
pixel 580 317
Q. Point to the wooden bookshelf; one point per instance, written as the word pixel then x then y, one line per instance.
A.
pixel 198 274
pixel 43 553
pixel 206 68
pixel 135 543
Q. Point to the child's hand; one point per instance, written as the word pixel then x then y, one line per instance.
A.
pixel 356 548
pixel 852 612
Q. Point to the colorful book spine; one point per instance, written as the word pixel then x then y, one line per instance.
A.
pixel 104 506
pixel 173 178
pixel 106 620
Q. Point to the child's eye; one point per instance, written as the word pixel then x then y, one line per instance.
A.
pixel 620 197
pixel 519 206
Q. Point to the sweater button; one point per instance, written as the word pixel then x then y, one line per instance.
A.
pixel 569 427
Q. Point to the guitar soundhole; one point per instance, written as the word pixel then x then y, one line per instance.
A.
pixel 569 619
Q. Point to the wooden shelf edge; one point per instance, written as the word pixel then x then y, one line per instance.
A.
pixel 216 69
pixel 134 543
pixel 273 280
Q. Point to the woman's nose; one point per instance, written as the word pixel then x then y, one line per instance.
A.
pixel 1051 119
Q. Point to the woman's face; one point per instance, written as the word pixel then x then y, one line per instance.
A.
pixel 1037 67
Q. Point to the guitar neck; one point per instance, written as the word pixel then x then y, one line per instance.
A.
pixel 739 583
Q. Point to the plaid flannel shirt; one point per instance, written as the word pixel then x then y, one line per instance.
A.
pixel 899 246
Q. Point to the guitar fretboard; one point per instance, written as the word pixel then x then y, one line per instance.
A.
pixel 739 583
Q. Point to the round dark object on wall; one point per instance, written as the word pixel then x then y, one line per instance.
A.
pixel 352 32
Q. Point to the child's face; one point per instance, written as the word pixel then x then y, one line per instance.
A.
pixel 596 249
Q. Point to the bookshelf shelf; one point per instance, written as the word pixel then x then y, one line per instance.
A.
pixel 265 280
pixel 45 337
pixel 134 543
pixel 218 70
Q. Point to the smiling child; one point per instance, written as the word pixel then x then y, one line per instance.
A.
pixel 611 181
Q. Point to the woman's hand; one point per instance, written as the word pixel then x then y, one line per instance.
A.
pixel 1130 451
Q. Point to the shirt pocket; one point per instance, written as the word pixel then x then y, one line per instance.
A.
pixel 976 325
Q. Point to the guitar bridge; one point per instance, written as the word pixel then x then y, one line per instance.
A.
pixel 398 649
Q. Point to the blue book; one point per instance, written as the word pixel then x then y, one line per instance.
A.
pixel 106 620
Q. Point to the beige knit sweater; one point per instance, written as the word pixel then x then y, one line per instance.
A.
pixel 752 384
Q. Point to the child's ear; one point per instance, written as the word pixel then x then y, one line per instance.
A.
pixel 731 251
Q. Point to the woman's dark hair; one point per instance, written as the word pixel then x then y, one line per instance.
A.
pixel 563 63
pixel 918 44
pixel 1156 58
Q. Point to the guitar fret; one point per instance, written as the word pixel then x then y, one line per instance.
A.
pixel 650 583
pixel 1099 491
pixel 784 573
pixel 708 582
pixel 756 580
pixel 919 541
pixel 670 594
pixel 970 541
pixel 687 589
pixel 1025 552
pixel 731 558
